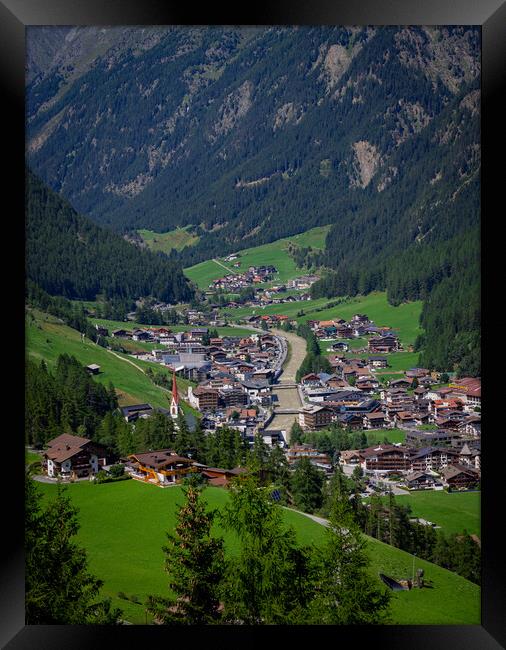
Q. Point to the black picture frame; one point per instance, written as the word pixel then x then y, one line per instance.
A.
pixel 15 15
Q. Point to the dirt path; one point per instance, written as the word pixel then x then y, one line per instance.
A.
pixel 223 266
pixel 127 360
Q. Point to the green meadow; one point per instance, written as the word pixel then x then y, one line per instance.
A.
pixel 275 253
pixel 123 528
pixel 166 241
pixel 47 338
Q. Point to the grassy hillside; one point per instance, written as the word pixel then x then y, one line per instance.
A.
pixel 275 253
pixel 123 528
pixel 166 241
pixel 403 319
pixel 47 338
pixel 130 325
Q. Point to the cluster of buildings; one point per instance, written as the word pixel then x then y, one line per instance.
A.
pixel 382 339
pixel 455 465
pixel 442 425
pixel 302 282
pixel 70 457
pixel 237 281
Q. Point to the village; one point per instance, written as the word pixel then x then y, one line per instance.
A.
pixel 239 382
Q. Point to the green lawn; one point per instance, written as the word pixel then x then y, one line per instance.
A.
pixel 288 309
pixel 454 512
pixel 166 241
pixel 205 272
pixel 392 435
pixel 123 528
pixel 275 253
pixel 31 457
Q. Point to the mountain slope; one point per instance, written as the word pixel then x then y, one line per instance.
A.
pixel 68 255
pixel 254 133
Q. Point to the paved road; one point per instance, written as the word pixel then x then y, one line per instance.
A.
pixel 319 520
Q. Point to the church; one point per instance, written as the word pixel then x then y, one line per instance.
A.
pixel 175 409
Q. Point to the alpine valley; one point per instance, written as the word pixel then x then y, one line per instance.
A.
pixel 247 135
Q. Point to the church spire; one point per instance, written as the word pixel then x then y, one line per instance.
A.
pixel 174 403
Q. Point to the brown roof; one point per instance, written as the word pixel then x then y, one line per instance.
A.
pixel 159 458
pixel 65 446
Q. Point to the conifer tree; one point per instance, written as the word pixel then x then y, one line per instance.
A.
pixel 347 592
pixel 307 484
pixel 59 589
pixel 195 563
pixel 270 581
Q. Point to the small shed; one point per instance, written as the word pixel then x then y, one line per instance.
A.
pixel 93 369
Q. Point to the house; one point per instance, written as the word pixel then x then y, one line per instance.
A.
pixel 162 467
pixel 203 398
pixel 386 458
pixel 458 477
pixel 311 379
pixel 131 413
pixel 374 420
pixel 421 481
pixel 121 334
pixel 417 438
pixel 404 418
pixel 433 459
pixel 315 417
pixel 69 456
pixel 350 457
pixel 296 452
pixel 141 335
pixel 400 383
pixel 219 477
pixel 93 369
pixel 383 344
pixel 377 362
pixel 471 426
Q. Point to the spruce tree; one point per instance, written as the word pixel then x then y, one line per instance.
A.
pixel 307 484
pixel 270 581
pixel 346 593
pixel 59 590
pixel 195 563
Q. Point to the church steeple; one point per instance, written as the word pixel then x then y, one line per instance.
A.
pixel 174 403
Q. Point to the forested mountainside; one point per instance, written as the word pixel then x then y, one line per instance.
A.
pixel 253 134
pixel 69 255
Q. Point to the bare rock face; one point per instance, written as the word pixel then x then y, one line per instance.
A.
pixel 289 113
pixel 441 54
pixel 336 60
pixel 365 164
pixel 235 106
pixel 335 64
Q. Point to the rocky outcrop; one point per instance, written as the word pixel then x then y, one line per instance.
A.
pixel 366 161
